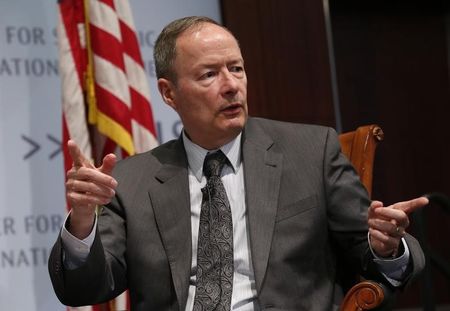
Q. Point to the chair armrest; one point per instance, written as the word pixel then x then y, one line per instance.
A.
pixel 365 295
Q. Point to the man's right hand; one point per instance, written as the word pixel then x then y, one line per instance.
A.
pixel 86 187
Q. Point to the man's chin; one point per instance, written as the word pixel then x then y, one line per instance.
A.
pixel 236 124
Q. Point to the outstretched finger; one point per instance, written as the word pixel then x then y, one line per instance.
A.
pixel 77 157
pixel 411 205
pixel 92 175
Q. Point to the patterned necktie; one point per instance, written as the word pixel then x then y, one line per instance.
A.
pixel 215 241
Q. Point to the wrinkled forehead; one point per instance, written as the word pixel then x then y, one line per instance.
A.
pixel 206 32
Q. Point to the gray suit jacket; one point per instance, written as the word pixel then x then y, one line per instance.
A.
pixel 307 210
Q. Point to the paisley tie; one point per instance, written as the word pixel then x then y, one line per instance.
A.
pixel 215 241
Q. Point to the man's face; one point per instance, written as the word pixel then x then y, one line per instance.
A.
pixel 210 94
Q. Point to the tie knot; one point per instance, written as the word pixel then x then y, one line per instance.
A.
pixel 214 163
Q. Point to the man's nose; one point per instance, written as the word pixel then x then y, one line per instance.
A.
pixel 229 83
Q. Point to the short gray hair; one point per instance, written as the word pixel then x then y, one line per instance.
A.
pixel 164 52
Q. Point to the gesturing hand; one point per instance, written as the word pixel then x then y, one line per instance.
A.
pixel 387 224
pixel 86 187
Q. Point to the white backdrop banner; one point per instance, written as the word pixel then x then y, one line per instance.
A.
pixel 32 205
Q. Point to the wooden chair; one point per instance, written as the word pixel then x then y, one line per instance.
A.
pixel 359 146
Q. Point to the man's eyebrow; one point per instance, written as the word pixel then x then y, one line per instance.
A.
pixel 205 66
pixel 213 64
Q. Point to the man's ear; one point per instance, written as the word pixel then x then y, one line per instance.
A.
pixel 166 88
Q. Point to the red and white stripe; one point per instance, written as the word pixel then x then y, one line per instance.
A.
pixel 119 70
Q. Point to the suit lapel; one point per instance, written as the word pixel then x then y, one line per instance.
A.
pixel 262 171
pixel 171 204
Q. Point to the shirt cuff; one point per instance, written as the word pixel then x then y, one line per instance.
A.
pixel 76 251
pixel 393 269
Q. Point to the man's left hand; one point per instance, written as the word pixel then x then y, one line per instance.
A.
pixel 387 225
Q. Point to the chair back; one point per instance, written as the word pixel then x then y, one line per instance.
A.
pixel 359 146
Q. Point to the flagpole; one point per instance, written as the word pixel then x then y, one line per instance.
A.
pixel 89 75
pixel 89 83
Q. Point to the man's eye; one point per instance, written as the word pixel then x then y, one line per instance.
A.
pixel 207 75
pixel 237 69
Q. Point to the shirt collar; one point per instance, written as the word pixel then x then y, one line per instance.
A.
pixel 196 154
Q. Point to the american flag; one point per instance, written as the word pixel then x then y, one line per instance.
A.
pixel 105 93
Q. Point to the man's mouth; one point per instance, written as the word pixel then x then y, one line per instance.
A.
pixel 232 109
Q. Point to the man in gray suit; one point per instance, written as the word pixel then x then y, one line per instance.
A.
pixel 297 205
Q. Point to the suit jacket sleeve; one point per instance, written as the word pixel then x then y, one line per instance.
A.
pixel 89 284
pixel 349 246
